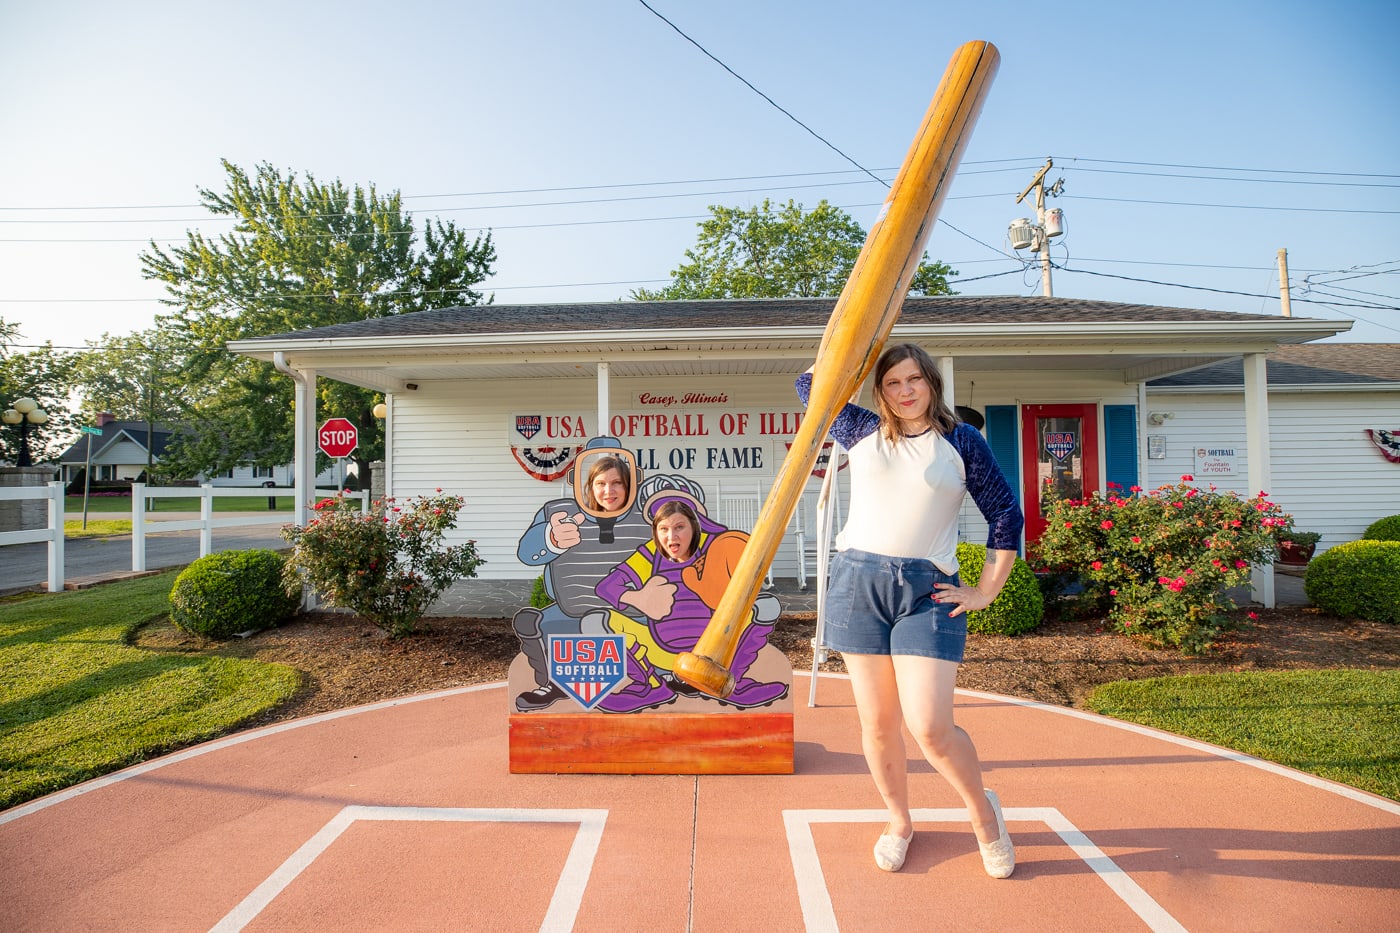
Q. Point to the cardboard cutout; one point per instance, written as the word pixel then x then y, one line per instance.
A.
pixel 590 557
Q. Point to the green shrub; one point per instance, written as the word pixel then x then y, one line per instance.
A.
pixel 1018 608
pixel 1357 580
pixel 1164 559
pixel 230 592
pixel 539 596
pixel 388 564
pixel 1384 529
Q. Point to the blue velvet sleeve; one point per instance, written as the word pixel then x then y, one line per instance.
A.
pixel 989 489
pixel 852 423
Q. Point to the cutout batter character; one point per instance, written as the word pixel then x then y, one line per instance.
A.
pixel 674 582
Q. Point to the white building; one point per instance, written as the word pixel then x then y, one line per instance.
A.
pixel 481 398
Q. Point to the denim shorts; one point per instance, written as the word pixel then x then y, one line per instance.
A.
pixel 884 605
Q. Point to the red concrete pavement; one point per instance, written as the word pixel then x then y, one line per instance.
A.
pixel 402 816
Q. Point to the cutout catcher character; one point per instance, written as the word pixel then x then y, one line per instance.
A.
pixel 576 542
pixel 674 588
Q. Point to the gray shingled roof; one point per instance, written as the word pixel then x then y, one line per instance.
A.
pixel 111 434
pixel 1303 365
pixel 759 312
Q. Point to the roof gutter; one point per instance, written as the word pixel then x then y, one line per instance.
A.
pixel 1298 331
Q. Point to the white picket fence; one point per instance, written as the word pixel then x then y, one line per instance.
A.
pixel 142 525
pixel 145 523
pixel 53 534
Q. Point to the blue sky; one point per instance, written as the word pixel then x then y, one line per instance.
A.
pixel 1195 139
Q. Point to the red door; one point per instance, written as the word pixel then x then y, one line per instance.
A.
pixel 1059 444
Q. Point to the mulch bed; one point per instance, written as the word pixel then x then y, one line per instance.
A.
pixel 348 662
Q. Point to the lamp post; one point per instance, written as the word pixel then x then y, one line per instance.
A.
pixel 24 412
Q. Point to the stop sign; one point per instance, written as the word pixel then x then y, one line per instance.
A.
pixel 337 437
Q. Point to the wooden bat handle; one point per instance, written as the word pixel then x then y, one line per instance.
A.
pixel 855 334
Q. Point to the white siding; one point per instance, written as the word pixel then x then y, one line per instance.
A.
pixel 456 435
pixel 1326 472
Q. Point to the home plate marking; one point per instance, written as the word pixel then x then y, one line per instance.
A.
pixel 819 915
pixel 568 891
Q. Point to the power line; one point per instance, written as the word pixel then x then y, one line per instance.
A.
pixel 963 171
pixel 1225 291
pixel 1260 181
pixel 770 100
pixel 1238 207
pixel 1220 168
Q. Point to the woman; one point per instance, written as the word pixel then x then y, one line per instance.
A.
pixel 896 609
pixel 609 484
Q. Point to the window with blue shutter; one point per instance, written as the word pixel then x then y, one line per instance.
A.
pixel 1001 437
pixel 1120 445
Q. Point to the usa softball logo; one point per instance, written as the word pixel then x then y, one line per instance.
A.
pixel 1060 443
pixel 528 425
pixel 586 667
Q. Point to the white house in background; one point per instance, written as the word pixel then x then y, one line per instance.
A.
pixel 491 402
pixel 119 453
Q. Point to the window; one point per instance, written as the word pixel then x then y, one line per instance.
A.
pixel 261 472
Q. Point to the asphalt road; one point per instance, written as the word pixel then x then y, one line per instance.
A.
pixel 26 566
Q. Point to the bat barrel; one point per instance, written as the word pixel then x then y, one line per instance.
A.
pixel 855 333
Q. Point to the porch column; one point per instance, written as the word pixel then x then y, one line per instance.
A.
pixel 1142 463
pixel 305 453
pixel 945 370
pixel 604 416
pixel 1256 425
pixel 303 436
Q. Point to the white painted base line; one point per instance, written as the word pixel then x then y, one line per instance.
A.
pixel 568 891
pixel 820 917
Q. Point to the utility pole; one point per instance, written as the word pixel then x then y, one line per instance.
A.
pixel 1044 228
pixel 1283 294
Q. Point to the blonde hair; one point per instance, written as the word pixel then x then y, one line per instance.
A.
pixel 941 417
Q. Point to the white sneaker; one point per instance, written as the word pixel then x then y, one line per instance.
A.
pixel 890 851
pixel 998 858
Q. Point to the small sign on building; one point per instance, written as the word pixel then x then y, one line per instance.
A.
pixel 1216 461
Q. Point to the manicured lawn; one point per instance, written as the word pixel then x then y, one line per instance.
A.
pixel 1341 725
pixel 77 701
pixel 73 505
pixel 96 527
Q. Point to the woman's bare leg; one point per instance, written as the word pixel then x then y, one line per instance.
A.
pixel 925 687
pixel 877 703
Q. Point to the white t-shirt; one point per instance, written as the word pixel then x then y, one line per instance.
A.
pixel 905 499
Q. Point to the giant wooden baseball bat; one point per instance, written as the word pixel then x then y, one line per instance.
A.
pixel 859 324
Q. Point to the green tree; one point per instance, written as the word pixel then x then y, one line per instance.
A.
pixel 785 252
pixel 9 333
pixel 302 254
pixel 135 378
